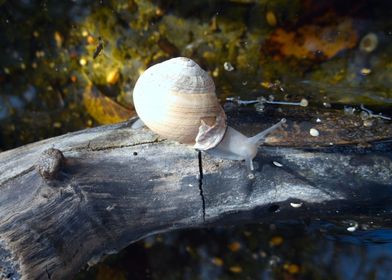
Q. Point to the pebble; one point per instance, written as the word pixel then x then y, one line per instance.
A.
pixel 314 132
pixel 296 205
pixel 278 164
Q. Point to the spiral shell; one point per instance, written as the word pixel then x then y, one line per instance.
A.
pixel 176 99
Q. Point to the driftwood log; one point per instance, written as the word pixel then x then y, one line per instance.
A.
pixel 67 201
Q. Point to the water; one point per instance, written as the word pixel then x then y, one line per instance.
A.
pixel 297 250
pixel 324 51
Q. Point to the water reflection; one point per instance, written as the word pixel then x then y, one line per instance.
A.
pixel 284 251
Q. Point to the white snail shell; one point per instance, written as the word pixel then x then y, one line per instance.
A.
pixel 176 99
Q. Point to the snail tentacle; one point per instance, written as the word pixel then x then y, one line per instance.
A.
pixel 259 138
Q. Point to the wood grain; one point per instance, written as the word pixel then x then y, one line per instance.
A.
pixel 116 185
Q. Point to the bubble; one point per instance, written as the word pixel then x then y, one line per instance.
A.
pixel 368 43
pixel 228 67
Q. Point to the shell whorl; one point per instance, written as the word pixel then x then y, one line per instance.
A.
pixel 181 75
pixel 176 99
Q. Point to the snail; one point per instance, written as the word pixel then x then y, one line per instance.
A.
pixel 176 99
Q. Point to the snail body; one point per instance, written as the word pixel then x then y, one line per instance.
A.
pixel 176 99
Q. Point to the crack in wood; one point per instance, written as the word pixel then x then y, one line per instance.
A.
pixel 96 149
pixel 201 185
pixel 24 172
pixel 47 273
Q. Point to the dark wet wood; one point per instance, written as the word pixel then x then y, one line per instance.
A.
pixel 116 185
pixel 334 126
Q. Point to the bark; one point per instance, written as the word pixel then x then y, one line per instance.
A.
pixel 69 200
